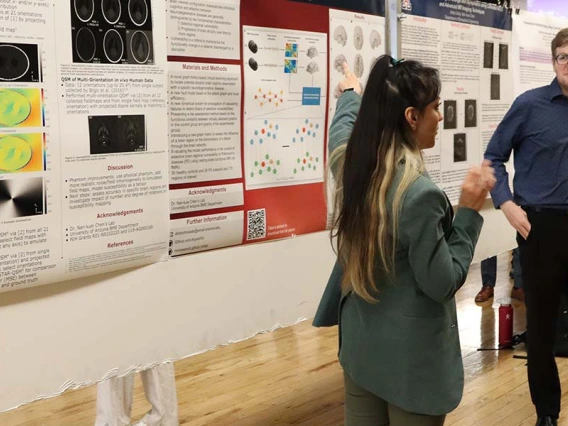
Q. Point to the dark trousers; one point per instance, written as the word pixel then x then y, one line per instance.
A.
pixel 489 270
pixel 544 259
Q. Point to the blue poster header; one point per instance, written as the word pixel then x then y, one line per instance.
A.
pixel 464 11
pixel 372 7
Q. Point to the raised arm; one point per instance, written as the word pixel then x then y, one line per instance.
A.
pixel 345 116
pixel 440 264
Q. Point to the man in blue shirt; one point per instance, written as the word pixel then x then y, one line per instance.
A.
pixel 536 129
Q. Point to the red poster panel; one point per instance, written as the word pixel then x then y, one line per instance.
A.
pixel 259 177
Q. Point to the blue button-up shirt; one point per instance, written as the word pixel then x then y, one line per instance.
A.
pixel 536 128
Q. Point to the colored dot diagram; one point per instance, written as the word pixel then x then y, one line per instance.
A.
pixel 269 131
pixel 266 166
pixel 306 163
pixel 308 130
pixel 275 99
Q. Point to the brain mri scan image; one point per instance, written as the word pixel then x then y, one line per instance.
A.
pixel 503 56
pixel 103 136
pixel 19 62
pixel 488 50
pixel 495 88
pixel 112 134
pixel 312 68
pixel 253 64
pixel 471 113
pixel 86 45
pixel 84 9
pixel 112 32
pixel 113 46
pixel 312 52
pixel 140 47
pixel 111 10
pixel 132 133
pixel 358 37
pixel 450 115
pixel 460 148
pixel 340 35
pixel 252 46
pixel 375 39
pixel 138 11
pixel 14 62
pixel 359 66
pixel 338 63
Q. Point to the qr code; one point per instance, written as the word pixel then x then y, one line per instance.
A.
pixel 256 224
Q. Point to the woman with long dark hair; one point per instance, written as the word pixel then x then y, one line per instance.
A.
pixel 402 254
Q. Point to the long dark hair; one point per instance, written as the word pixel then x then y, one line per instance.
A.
pixel 381 141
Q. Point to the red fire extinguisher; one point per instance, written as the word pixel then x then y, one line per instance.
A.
pixel 505 325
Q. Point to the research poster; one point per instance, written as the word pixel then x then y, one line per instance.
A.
pixel 357 39
pixel 203 28
pixel 470 44
pixel 137 131
pixel 251 93
pixel 83 152
pixel 532 54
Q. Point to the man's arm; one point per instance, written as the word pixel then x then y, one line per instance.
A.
pixel 506 138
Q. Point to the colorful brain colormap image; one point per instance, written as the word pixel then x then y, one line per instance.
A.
pixel 20 108
pixel 21 153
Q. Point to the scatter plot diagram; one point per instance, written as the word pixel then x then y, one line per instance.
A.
pixel 264 134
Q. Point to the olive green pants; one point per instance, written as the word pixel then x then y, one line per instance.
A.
pixel 363 408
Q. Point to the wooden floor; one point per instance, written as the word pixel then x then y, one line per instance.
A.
pixel 292 377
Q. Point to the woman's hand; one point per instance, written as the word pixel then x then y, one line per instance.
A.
pixel 478 182
pixel 350 81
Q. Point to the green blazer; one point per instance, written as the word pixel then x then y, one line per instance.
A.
pixel 405 348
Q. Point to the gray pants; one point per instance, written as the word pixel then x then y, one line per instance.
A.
pixel 363 408
pixel 114 398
